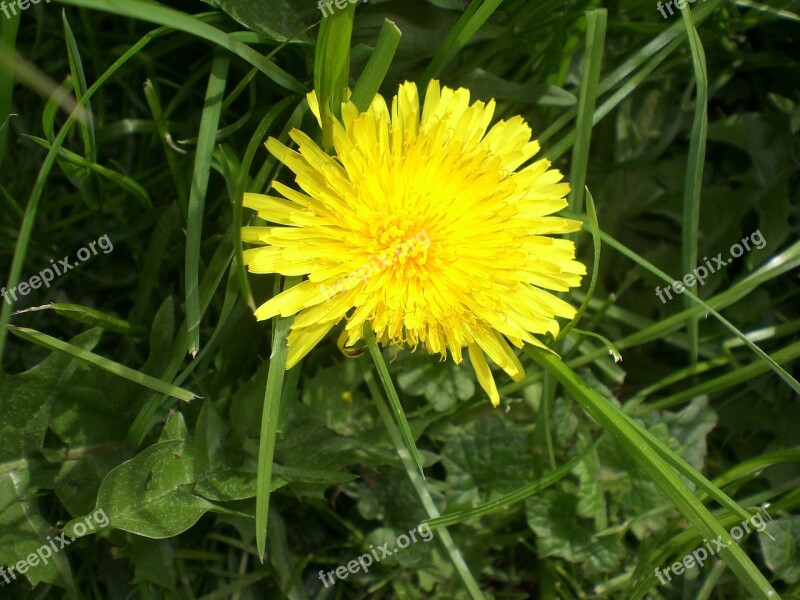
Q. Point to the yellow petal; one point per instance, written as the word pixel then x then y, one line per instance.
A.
pixel 484 373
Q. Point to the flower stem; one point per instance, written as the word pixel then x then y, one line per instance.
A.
pixel 413 471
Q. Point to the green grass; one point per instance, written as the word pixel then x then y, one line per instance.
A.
pixel 141 383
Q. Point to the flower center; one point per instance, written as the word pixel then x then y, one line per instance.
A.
pixel 401 243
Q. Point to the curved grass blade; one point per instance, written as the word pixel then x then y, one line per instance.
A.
pixel 197 195
pixel 175 19
pixel 418 482
pixel 79 76
pixel 592 63
pixel 781 372
pixel 269 421
pixel 147 381
pixel 619 425
pixel 242 182
pixel 594 230
pixel 88 315
pixel 477 13
pixel 377 66
pixel 694 172
pixel 32 207
pixel 160 122
pixel 514 497
pixel 391 393
pixel 332 69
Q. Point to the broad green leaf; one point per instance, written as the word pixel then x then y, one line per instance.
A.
pixel 689 427
pixel 443 385
pixel 782 554
pixel 150 494
pixel 488 457
pixel 333 393
pixel 552 516
pixel 153 560
pixel 27 401
pixel 25 531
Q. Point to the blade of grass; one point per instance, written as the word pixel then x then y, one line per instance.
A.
pixel 592 63
pixel 29 75
pixel 209 121
pixel 269 421
pixel 391 393
pixel 417 481
pixel 612 349
pixel 243 181
pixel 594 230
pixel 332 69
pixel 76 68
pixel 728 380
pixel 694 172
pixel 128 184
pixel 514 497
pixel 159 14
pixel 477 13
pixel 8 44
pixel 88 315
pixel 147 381
pixel 780 371
pixel 32 207
pixel 164 137
pixel 377 66
pixel 618 424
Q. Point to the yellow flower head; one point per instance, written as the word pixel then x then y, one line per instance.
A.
pixel 423 226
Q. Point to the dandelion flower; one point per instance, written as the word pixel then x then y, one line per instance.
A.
pixel 424 225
